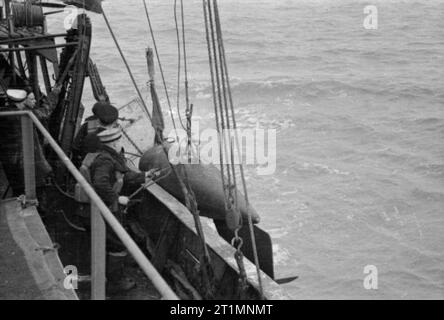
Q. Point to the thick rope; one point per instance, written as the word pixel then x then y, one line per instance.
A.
pixel 250 222
pixel 213 87
pixel 216 69
pixel 226 110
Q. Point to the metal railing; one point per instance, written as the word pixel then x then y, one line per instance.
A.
pixel 99 211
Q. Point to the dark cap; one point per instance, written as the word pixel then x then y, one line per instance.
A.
pixel 105 112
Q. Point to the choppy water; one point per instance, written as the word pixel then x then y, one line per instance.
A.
pixel 360 120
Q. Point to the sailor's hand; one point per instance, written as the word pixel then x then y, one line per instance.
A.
pixel 57 89
pixel 149 175
pixel 123 200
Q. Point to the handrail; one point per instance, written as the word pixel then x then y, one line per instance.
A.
pixel 96 201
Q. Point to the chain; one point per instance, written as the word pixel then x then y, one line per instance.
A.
pixel 237 243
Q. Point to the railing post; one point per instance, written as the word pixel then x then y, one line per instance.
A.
pixel 98 254
pixel 28 157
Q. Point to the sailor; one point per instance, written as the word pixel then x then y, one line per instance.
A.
pixel 11 150
pixel 111 178
pixel 25 100
pixel 86 141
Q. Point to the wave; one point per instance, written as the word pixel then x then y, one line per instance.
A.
pixel 432 121
pixel 323 88
pixel 320 168
pixel 432 170
pixel 428 195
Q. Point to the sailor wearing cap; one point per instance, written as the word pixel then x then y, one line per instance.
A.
pixel 104 115
pixel 20 98
pixel 111 177
pixel 25 100
pixel 86 141
pixel 11 133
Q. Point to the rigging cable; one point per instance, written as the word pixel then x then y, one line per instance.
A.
pixel 213 87
pixel 160 66
pixel 131 141
pixel 207 270
pixel 250 222
pixel 178 65
pixel 187 98
pixel 224 86
pixel 189 109
pixel 219 98
pixel 234 218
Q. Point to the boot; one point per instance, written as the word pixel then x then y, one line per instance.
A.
pixel 117 281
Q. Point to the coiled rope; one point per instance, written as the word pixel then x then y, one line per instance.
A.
pixel 27 15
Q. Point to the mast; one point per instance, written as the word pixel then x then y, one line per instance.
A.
pixel 71 108
pixel 158 121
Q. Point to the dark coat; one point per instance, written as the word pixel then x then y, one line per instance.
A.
pixel 86 140
pixel 103 176
pixel 46 107
pixel 11 153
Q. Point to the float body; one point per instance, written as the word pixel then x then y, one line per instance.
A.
pixel 205 182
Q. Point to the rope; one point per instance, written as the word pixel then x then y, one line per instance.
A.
pixel 131 141
pixel 160 65
pixel 226 110
pixel 189 117
pixel 187 98
pixel 127 67
pixel 227 115
pixel 216 69
pixel 133 154
pixel 27 15
pixel 210 59
pixel 250 222
pixel 59 189
pixel 178 65
pixel 189 108
pixel 71 224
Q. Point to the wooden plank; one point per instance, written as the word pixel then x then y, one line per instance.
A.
pixel 217 245
pixel 28 240
pixel 38 232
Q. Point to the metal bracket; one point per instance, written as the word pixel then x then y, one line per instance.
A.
pixel 26 203
pixel 45 250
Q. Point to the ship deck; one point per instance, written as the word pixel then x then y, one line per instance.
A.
pixel 30 268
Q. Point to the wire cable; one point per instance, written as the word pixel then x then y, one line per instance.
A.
pixel 178 65
pixel 160 65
